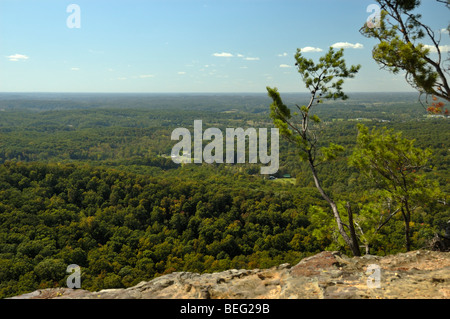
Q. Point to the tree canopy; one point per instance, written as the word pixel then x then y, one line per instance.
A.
pixel 407 44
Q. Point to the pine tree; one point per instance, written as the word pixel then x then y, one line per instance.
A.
pixel 324 80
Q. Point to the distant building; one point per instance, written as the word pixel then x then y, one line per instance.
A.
pixel 435 116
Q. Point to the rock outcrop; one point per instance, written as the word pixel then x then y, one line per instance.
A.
pixel 327 275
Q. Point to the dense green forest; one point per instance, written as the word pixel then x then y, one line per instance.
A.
pixel 88 180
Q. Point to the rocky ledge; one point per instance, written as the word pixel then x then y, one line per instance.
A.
pixel 328 275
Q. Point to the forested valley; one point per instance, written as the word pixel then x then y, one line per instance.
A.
pixel 88 180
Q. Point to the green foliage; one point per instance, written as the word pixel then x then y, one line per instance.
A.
pixel 327 76
pixel 394 165
pixel 324 80
pixel 101 194
pixel 332 151
pixel 140 227
pixel 279 112
pixel 318 78
pixel 402 38
pixel 390 161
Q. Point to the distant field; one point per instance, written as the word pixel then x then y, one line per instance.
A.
pixel 285 180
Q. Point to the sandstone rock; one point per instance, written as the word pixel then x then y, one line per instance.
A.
pixel 327 275
pixel 316 264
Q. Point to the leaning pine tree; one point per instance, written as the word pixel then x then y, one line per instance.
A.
pixel 407 44
pixel 324 80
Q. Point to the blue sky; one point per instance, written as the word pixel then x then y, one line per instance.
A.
pixel 185 45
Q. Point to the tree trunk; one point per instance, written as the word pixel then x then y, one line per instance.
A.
pixel 351 242
pixel 351 226
pixel 407 218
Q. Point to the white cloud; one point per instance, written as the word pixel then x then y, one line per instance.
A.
pixel 311 49
pixel 443 48
pixel 223 55
pixel 444 31
pixel 282 54
pixel 145 76
pixel 17 57
pixel 181 73
pixel 347 45
pixel 238 55
pixel 285 66
pixel 75 69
